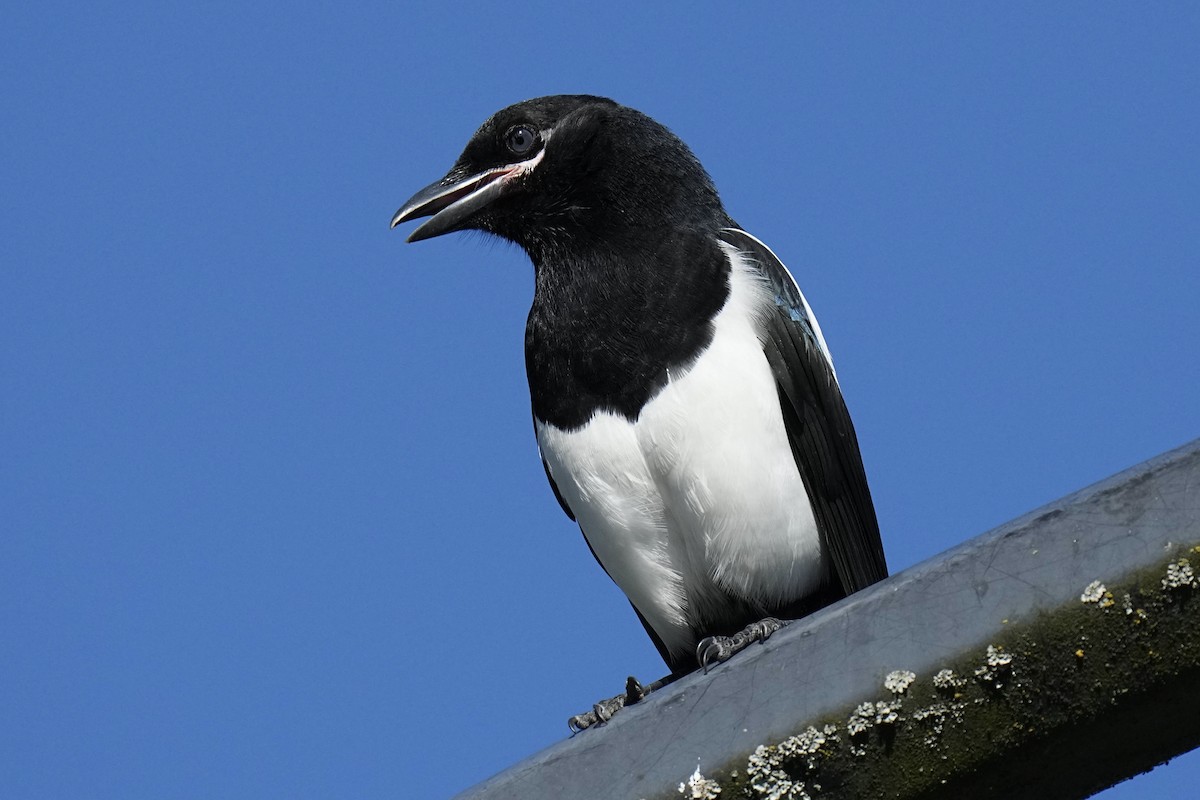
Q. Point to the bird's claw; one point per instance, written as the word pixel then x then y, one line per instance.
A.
pixel 605 709
pixel 712 650
pixel 601 712
pixel 634 691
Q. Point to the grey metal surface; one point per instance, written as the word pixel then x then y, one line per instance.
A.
pixel 917 620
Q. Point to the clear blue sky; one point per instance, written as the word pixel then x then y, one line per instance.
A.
pixel 272 522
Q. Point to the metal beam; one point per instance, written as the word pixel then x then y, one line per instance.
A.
pixel 1072 645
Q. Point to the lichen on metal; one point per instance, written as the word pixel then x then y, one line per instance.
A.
pixel 698 787
pixel 898 681
pixel 1058 670
pixel 937 739
pixel 1093 593
pixel 1179 575
pixel 946 680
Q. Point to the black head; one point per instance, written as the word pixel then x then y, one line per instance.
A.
pixel 564 172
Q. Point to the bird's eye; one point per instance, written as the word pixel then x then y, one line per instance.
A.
pixel 520 139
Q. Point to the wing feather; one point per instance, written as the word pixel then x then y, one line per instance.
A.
pixel 819 429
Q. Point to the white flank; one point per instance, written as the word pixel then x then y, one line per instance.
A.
pixel 702 492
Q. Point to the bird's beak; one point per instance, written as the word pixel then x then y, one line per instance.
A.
pixel 452 200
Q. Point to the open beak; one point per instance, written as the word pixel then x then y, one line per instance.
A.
pixel 452 200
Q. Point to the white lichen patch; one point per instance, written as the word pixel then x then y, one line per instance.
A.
pixel 1093 592
pixel 998 664
pixel 804 745
pixel 868 715
pixel 996 657
pixel 768 778
pixel 947 680
pixel 887 713
pixel 897 682
pixel 935 711
pixel 1180 575
pixel 861 720
pixel 935 717
pixel 699 787
pixel 766 767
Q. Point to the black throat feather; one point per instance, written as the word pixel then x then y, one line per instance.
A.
pixel 612 323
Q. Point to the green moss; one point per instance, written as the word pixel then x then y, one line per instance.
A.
pixel 1062 705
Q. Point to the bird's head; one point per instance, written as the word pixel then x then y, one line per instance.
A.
pixel 565 171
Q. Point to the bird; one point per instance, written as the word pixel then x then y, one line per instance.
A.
pixel 685 403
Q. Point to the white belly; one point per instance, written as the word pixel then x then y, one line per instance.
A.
pixel 700 497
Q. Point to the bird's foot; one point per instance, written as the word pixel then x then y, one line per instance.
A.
pixel 605 709
pixel 713 650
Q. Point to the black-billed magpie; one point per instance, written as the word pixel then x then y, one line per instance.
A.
pixel 685 404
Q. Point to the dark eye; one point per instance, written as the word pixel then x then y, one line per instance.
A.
pixel 520 139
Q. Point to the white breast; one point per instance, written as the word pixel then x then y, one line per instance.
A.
pixel 700 497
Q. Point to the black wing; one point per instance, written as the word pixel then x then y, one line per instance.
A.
pixel 819 427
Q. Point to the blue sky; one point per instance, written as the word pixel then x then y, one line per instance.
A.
pixel 272 522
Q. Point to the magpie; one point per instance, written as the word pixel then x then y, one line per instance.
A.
pixel 685 403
